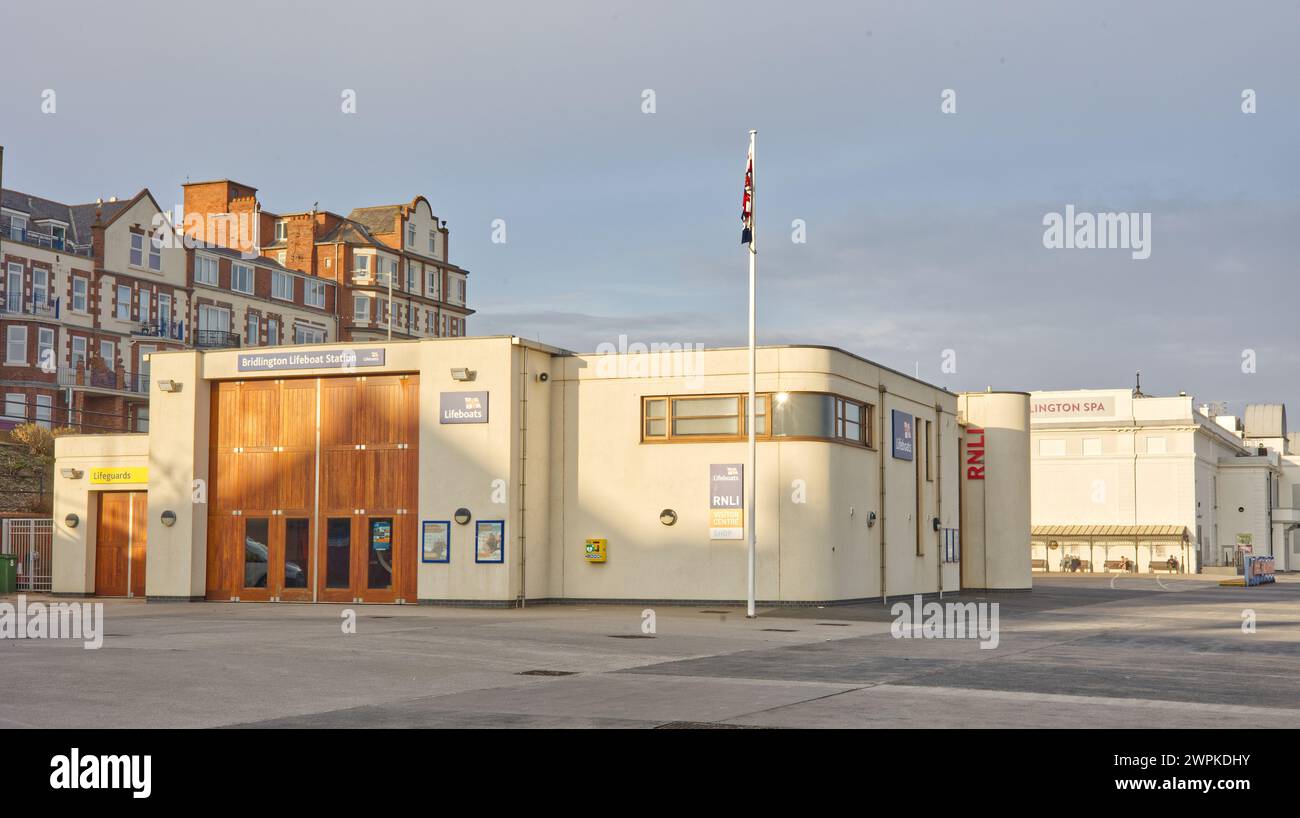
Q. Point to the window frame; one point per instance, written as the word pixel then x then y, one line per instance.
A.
pixel 85 294
pixel 234 278
pixel 46 403
pixel 299 329
pixel 155 252
pixel 867 424
pixel 123 304
pixel 280 277
pixel 41 289
pixel 12 269
pixel 310 286
pixel 201 263
pixel 135 255
pixel 209 310
pixel 668 417
pixel 10 344
pixel 9 401
pixel 41 345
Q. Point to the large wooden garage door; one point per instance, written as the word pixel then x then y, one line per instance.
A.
pixel 271 535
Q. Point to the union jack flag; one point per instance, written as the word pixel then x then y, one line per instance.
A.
pixel 747 202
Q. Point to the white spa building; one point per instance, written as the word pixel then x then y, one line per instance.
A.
pixel 1122 476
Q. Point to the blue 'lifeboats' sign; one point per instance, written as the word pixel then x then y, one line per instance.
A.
pixel 904 435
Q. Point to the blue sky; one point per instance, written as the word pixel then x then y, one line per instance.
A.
pixel 924 229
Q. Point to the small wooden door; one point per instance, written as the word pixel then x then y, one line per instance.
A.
pixel 120 543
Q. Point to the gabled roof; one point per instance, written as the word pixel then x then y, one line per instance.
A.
pixel 350 231
pixel 79 218
pixel 378 219
pixel 34 206
pixel 83 216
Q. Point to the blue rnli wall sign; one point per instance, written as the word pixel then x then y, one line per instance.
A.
pixel 904 435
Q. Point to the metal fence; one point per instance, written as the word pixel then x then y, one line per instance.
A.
pixel 32 542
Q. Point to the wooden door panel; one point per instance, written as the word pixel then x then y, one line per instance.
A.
pixel 341 474
pixel 223 482
pixel 259 414
pixel 384 487
pixel 259 482
pixel 294 473
pixel 221 535
pixel 339 421
pixel 382 417
pixel 139 540
pixel 408 559
pixel 112 537
pixel 225 415
pixel 298 415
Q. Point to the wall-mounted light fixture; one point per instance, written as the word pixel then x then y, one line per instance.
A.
pixel 71 474
pixel 462 516
pixel 169 386
pixel 169 518
pixel 935 523
pixel 871 519
pixel 71 521
pixel 543 377
pixel 460 373
pixel 782 397
pixel 668 516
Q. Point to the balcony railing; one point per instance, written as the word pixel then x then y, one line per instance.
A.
pixel 29 306
pixel 12 232
pixel 175 330
pixel 215 339
pixel 96 377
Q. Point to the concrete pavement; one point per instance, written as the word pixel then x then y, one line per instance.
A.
pixel 1075 652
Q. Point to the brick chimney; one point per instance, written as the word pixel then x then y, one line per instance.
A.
pixel 222 214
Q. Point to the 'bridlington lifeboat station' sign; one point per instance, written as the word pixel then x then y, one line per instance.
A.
pixel 310 359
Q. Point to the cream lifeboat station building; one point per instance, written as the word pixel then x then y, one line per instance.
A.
pixel 1128 479
pixel 499 471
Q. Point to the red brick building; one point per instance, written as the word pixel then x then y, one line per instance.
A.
pixel 390 262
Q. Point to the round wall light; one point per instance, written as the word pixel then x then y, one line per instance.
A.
pixel 169 518
pixel 462 516
pixel 71 521
pixel 668 516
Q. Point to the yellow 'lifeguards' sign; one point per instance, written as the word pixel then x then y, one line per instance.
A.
pixel 119 475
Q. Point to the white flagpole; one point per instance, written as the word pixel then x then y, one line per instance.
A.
pixel 752 477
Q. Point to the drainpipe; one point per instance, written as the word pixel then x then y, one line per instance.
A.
pixel 938 487
pixel 880 449
pixel 523 475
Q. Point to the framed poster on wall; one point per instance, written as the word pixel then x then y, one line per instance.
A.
pixel 490 541
pixel 435 541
